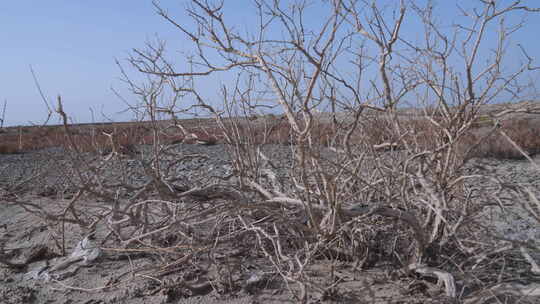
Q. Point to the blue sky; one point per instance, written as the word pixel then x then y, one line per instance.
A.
pixel 72 45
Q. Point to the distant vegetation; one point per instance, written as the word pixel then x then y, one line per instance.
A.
pixel 92 137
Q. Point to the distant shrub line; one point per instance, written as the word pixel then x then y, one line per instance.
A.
pixel 525 132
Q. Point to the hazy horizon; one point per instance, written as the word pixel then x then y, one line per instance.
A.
pixel 72 47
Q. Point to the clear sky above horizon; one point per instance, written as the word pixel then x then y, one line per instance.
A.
pixel 72 45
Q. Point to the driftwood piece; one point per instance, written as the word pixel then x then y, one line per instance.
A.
pixel 85 251
pixel 442 276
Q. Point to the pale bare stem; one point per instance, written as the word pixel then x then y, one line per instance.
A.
pixel 532 205
pixel 517 147
pixel 78 164
pixel 50 110
pixel 3 115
